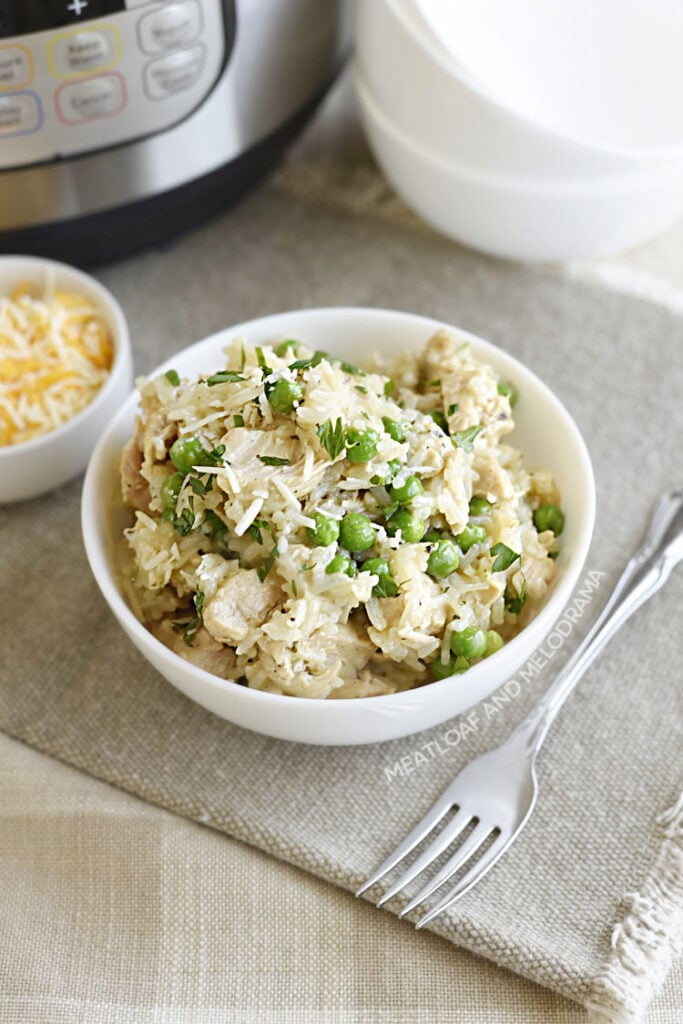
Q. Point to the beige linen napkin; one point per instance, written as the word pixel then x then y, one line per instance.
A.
pixel 589 900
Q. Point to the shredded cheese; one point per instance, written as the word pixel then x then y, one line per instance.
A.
pixel 55 354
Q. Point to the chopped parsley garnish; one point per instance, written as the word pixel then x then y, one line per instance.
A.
pixel 218 529
pixel 268 564
pixel 192 625
pixel 290 345
pixel 439 419
pixel 184 522
pixel 172 377
pixel 465 438
pixel 201 487
pixel 215 456
pixel 389 387
pixel 350 368
pixel 504 556
pixel 452 408
pixel 361 389
pixel 433 383
pixel 515 602
pixel 257 526
pixel 301 364
pixel 272 460
pixel 224 377
pixel 238 420
pixel 332 437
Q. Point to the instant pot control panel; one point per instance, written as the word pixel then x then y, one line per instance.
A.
pixel 81 75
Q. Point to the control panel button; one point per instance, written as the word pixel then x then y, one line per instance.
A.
pixel 177 24
pixel 175 73
pixel 85 51
pixel 20 113
pixel 16 67
pixel 91 98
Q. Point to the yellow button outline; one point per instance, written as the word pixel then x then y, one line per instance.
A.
pixel 107 27
pixel 31 67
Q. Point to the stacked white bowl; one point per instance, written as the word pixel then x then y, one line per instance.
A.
pixel 536 130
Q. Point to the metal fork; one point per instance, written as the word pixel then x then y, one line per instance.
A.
pixel 496 793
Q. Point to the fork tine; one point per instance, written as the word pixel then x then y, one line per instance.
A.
pixel 423 828
pixel 442 841
pixel 453 864
pixel 476 872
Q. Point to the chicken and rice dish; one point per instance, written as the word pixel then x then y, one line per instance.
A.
pixel 308 527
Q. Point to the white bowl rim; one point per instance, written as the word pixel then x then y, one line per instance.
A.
pixel 120 339
pixel 674 152
pixel 549 613
pixel 626 181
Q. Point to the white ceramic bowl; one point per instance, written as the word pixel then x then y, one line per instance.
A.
pixel 545 433
pixel 607 75
pixel 39 465
pixel 521 219
pixel 419 90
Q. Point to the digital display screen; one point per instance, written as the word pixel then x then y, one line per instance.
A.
pixel 19 17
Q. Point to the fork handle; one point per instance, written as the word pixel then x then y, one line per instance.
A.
pixel 642 577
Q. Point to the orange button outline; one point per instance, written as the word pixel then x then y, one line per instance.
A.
pixel 89 72
pixel 31 66
pixel 97 117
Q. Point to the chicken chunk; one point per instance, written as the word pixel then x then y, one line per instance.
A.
pixel 134 487
pixel 469 391
pixel 493 478
pixel 204 651
pixel 240 604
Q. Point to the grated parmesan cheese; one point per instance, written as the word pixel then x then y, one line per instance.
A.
pixel 55 354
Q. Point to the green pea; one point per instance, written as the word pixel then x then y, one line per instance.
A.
pixel 469 643
pixel 187 452
pixel 479 507
pixel 412 529
pixel 357 532
pixel 407 490
pixel 494 642
pixel 441 670
pixel 454 666
pixel 284 395
pixel 473 534
pixel 341 563
pixel 386 584
pixel 361 445
pixel 287 346
pixel 170 489
pixel 439 419
pixel 326 530
pixel 549 517
pixel 443 560
pixel 396 429
pixel 509 391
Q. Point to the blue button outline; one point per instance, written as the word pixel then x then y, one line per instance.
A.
pixel 24 131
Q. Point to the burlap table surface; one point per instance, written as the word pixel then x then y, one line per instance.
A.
pixel 557 909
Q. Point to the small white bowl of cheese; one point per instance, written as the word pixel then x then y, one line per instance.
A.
pixel 65 369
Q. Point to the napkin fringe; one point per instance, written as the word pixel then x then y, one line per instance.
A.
pixel 649 936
